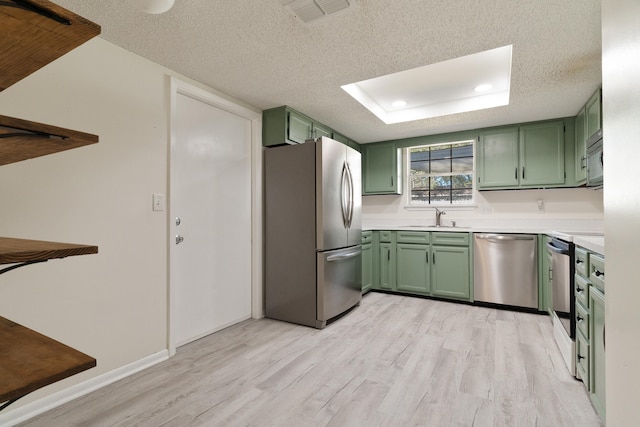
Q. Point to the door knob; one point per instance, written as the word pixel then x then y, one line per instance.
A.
pixel 179 239
pixel 178 221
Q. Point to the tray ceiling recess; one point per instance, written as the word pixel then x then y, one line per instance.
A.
pixel 311 10
pixel 469 83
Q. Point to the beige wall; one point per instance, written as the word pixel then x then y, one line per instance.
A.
pixel 112 305
pixel 621 131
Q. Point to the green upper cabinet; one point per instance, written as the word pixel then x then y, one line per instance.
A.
pixel 542 154
pixel 581 147
pixel 497 158
pixel 594 113
pixel 318 130
pixel 529 156
pixel 284 125
pixel 299 127
pixel 381 169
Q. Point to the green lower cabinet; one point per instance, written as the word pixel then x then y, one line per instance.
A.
pixel 423 263
pixel 387 261
pixel 413 268
pixel 582 358
pixel 597 350
pixel 450 272
pixel 367 267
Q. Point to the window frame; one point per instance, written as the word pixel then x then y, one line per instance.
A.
pixel 409 205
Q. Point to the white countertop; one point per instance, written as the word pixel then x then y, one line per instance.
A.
pixel 591 240
pixel 592 243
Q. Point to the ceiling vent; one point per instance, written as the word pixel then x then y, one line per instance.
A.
pixel 311 10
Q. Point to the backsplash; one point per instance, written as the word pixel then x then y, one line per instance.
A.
pixel 571 209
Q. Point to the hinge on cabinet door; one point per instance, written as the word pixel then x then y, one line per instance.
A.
pixel 35 8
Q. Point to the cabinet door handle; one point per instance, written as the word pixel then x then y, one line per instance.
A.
pixel 580 357
pixel 598 273
pixel 579 319
pixel 579 290
pixel 392 180
pixel 434 257
pixel 523 172
pixel 579 261
pixel 389 255
pixel 426 256
pixel 516 173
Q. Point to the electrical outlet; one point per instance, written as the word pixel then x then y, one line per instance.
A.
pixel 540 206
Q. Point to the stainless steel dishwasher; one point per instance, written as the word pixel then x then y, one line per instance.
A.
pixel 505 269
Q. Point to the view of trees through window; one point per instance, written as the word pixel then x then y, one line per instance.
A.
pixel 441 174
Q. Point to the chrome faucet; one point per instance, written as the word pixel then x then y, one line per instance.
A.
pixel 439 213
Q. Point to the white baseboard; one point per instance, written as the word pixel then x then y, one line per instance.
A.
pixel 11 417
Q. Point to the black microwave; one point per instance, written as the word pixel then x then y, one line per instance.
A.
pixel 594 160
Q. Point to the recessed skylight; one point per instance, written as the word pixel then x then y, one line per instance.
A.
pixel 439 89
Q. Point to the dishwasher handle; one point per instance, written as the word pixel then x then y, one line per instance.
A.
pixel 557 250
pixel 503 237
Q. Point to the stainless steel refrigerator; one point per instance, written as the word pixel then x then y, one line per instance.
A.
pixel 312 231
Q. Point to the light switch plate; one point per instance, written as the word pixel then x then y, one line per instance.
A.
pixel 158 202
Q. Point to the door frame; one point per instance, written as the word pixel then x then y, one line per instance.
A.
pixel 218 100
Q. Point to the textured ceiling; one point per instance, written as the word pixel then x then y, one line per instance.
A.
pixel 258 52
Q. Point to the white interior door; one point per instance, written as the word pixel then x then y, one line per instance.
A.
pixel 211 195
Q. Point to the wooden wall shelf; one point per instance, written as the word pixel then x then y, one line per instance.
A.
pixel 22 139
pixel 29 361
pixel 23 250
pixel 33 33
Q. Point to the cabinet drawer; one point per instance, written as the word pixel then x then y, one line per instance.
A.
pixel 366 237
pixel 596 271
pixel 582 262
pixel 582 359
pixel 582 320
pixel 412 236
pixel 582 291
pixel 449 238
pixel 386 235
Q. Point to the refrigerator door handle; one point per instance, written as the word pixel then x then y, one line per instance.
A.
pixel 344 201
pixel 344 255
pixel 351 201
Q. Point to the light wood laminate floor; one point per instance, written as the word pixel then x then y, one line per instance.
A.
pixel 392 361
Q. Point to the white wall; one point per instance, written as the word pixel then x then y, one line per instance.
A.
pixel 621 130
pixel 113 305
